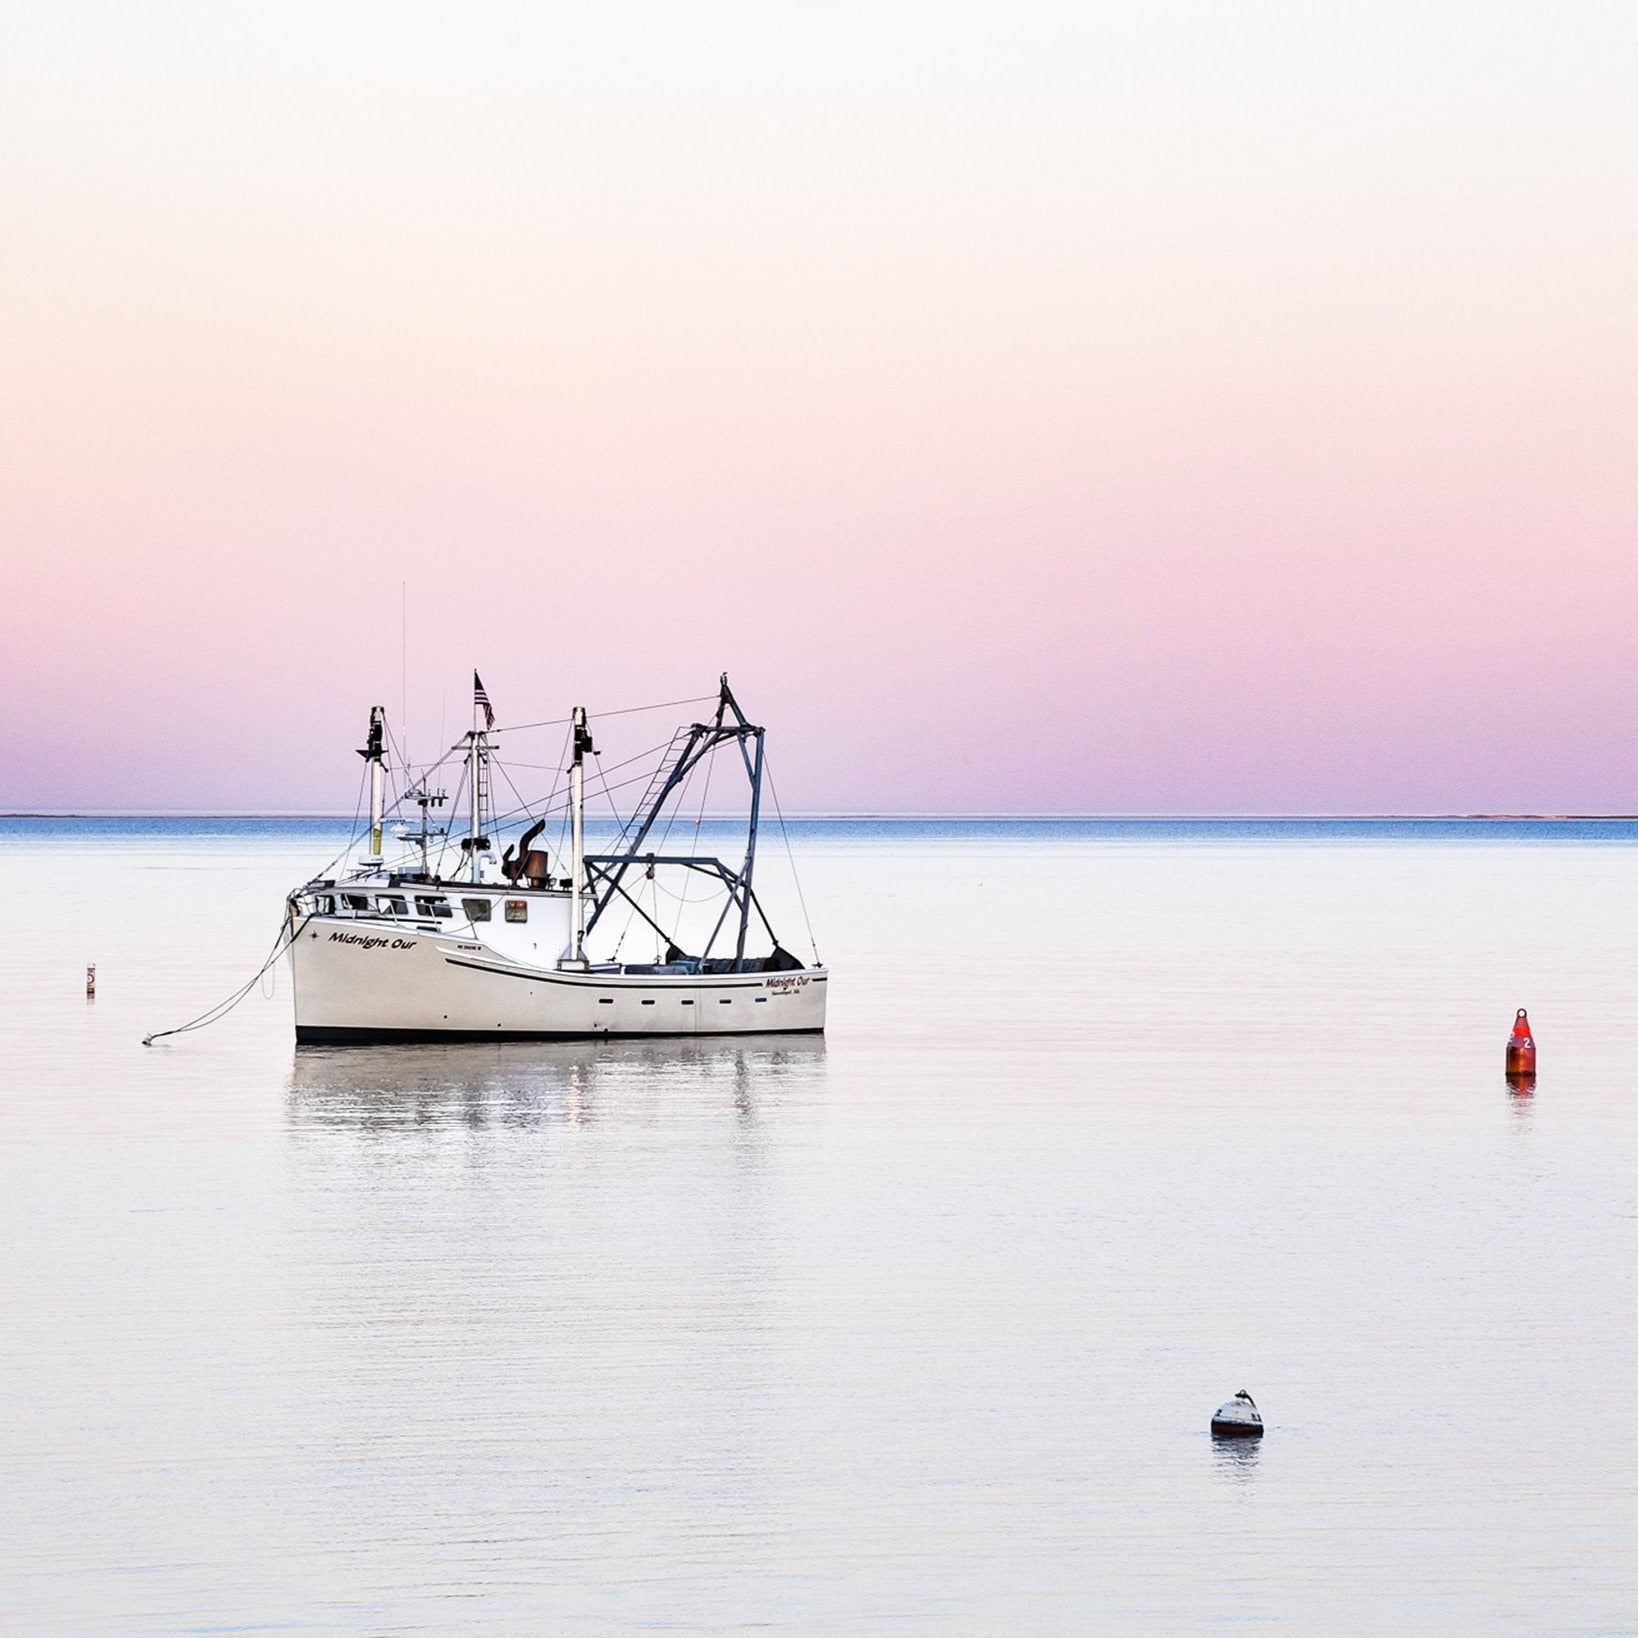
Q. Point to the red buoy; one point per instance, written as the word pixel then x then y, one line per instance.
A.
pixel 1521 1049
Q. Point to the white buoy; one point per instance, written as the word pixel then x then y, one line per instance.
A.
pixel 1238 1419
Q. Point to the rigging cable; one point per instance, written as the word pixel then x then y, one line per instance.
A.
pixel 551 722
pixel 773 790
pixel 628 711
pixel 641 807
pixel 676 807
pixel 355 833
pixel 551 800
pixel 654 778
pixel 556 807
pixel 613 767
pixel 694 839
pixel 523 805
pixel 631 914
pixel 443 843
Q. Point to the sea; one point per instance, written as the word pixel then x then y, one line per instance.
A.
pixel 914 1328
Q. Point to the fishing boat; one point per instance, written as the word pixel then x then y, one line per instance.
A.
pixel 511 948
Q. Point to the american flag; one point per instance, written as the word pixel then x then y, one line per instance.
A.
pixel 481 699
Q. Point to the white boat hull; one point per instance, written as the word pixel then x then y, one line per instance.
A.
pixel 358 981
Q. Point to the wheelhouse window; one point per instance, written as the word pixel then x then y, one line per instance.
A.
pixel 432 907
pixel 517 909
pixel 477 909
pixel 325 904
pixel 390 905
pixel 355 901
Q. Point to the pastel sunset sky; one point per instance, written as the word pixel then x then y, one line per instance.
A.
pixel 1103 408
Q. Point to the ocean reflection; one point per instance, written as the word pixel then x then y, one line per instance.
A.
pixel 1521 1095
pixel 547 1083
pixel 1235 1459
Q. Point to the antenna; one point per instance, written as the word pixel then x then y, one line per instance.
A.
pixel 425 797
pixel 403 663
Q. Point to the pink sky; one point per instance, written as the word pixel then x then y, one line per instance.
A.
pixel 1055 409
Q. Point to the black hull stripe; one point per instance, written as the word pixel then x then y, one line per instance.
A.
pixel 581 981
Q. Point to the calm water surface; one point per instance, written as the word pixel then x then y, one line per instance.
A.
pixel 916 1328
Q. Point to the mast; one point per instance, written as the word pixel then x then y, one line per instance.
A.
pixel 478 775
pixel 753 767
pixel 577 815
pixel 477 781
pixel 375 755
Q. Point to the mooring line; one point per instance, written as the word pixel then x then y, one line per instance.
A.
pixel 287 932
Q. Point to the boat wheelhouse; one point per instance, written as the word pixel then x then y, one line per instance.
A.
pixel 509 948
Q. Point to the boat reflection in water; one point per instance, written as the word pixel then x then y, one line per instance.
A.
pixel 546 1083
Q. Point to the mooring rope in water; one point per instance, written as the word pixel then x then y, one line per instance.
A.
pixel 287 932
